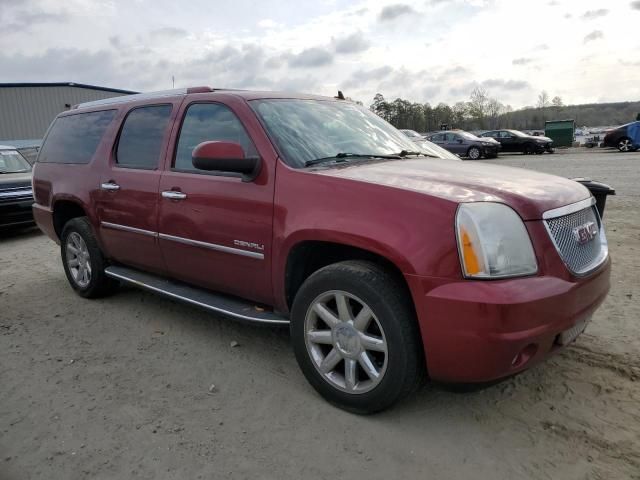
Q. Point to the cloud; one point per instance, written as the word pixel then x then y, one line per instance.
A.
pixel 591 14
pixel 431 91
pixel 268 23
pixel 362 76
pixel 391 12
pixel 26 19
pixel 354 43
pixel 169 33
pixel 311 57
pixel 505 84
pixel 522 61
pixel 595 35
pixel 635 5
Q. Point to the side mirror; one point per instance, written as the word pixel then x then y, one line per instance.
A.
pixel 225 157
pixel 459 140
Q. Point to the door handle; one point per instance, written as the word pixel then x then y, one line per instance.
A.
pixel 110 186
pixel 173 195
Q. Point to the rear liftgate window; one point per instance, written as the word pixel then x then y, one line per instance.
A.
pixel 75 138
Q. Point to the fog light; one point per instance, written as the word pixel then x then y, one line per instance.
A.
pixel 524 355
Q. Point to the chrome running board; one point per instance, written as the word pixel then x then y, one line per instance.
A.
pixel 216 302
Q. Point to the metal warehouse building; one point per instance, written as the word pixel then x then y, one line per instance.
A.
pixel 27 109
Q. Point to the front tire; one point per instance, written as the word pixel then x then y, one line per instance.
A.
pixel 527 149
pixel 625 145
pixel 474 153
pixel 83 261
pixel 356 338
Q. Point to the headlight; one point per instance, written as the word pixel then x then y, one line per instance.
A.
pixel 493 241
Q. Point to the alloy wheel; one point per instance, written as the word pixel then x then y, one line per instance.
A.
pixel 78 259
pixel 346 342
pixel 624 145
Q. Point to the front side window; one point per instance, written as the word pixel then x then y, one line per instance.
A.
pixel 205 122
pixel 75 138
pixel 451 137
pixel 305 130
pixel 12 162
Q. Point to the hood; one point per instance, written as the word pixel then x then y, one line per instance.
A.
pixel 542 137
pixel 15 180
pixel 529 193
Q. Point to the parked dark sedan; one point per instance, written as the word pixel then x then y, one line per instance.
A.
pixel 466 144
pixel 16 195
pixel 517 141
pixel 625 138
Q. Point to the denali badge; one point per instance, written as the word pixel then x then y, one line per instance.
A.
pixel 585 232
pixel 255 246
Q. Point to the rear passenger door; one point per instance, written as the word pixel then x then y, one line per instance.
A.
pixel 215 230
pixel 127 200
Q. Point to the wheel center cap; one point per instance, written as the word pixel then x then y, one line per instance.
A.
pixel 346 340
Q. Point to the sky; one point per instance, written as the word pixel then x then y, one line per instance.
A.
pixel 423 51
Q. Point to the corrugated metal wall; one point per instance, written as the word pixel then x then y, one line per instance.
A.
pixel 26 112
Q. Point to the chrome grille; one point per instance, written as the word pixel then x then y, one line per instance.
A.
pixel 579 258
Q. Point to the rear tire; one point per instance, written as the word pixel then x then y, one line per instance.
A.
pixel 83 261
pixel 337 341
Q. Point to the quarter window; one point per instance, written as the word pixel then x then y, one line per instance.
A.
pixel 141 137
pixel 75 138
pixel 205 122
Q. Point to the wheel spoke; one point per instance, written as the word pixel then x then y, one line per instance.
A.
pixel 330 361
pixel 325 314
pixel 72 249
pixel 363 319
pixel 369 342
pixel 350 370
pixel 344 311
pixel 367 365
pixel 74 262
pixel 320 336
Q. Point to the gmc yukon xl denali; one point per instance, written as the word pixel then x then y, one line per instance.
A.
pixel 391 262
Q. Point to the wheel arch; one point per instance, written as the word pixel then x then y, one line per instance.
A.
pixel 308 256
pixel 66 209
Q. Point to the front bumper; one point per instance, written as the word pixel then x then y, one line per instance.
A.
pixel 16 212
pixel 478 331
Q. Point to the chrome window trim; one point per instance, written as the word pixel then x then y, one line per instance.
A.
pixel 569 209
pixel 126 228
pixel 212 246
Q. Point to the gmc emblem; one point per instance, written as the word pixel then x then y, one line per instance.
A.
pixel 585 232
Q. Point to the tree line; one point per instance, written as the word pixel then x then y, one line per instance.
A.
pixel 483 112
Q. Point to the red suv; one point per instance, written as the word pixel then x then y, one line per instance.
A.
pixel 389 260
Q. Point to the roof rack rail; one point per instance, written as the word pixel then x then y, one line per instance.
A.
pixel 143 96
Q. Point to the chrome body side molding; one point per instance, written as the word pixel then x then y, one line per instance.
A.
pixel 212 246
pixel 126 228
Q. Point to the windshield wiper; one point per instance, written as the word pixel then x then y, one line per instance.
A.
pixel 342 156
pixel 406 153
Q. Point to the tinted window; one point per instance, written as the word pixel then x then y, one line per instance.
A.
pixel 141 137
pixel 451 137
pixel 206 122
pixel 439 137
pixel 75 138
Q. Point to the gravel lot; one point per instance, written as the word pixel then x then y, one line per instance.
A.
pixel 119 387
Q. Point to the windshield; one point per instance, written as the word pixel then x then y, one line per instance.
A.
pixel 411 133
pixel 467 135
pixel 306 130
pixel 12 162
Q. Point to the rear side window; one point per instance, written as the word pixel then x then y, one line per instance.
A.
pixel 75 138
pixel 205 122
pixel 141 137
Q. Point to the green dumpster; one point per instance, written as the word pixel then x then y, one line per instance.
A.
pixel 562 132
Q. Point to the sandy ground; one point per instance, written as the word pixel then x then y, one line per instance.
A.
pixel 119 387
